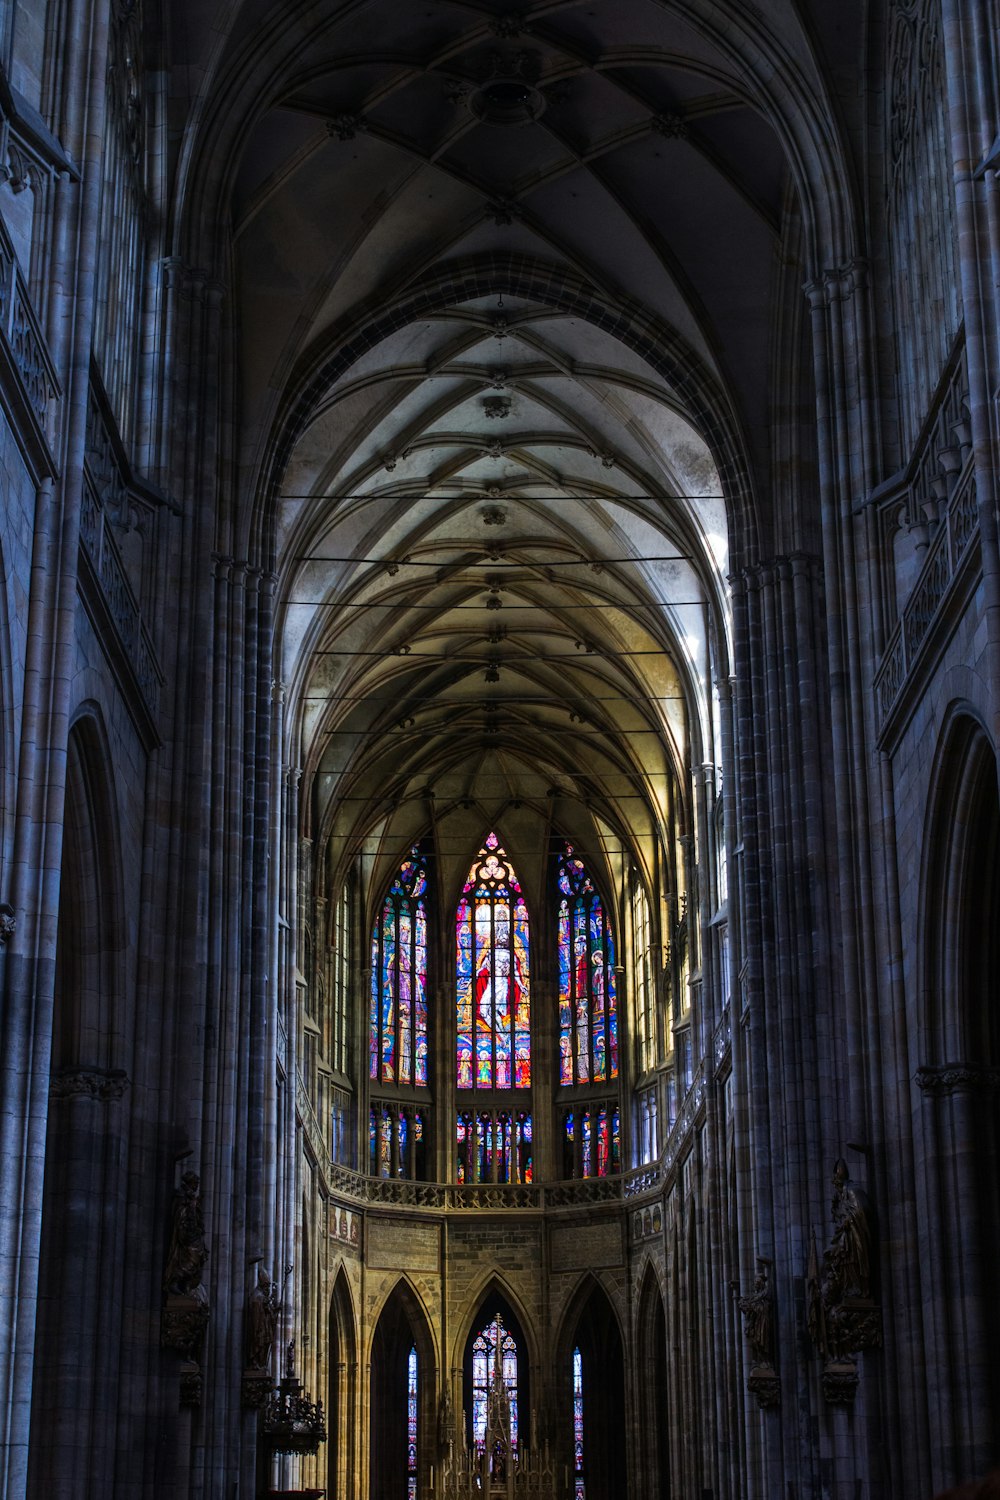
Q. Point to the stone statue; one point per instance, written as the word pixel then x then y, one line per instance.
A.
pixel 758 1317
pixel 262 1320
pixel 188 1251
pixel 849 1253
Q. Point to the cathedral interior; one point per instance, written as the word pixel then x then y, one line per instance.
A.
pixel 499 716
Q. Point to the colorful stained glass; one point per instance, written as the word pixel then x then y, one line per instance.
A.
pixel 411 1425
pixel 592 1145
pixel 579 1479
pixel 485 1346
pixel 492 977
pixel 398 1030
pixel 588 1017
pixel 403 1128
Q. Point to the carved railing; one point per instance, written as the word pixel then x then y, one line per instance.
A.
pixel 471 1197
pixel 934 498
pixel 723 1039
pixel 399 1192
pixel 107 499
pixel 23 339
pixel 956 531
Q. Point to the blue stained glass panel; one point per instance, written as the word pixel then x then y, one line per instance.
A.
pixel 398 1020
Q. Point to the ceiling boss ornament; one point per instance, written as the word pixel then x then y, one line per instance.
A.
pixel 509 95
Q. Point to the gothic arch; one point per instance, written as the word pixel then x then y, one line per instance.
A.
pixel 492 1284
pixel 7 769
pixel 591 1324
pixel 76 1341
pixel 960 871
pixel 496 1299
pixel 342 1396
pixel 957 1095
pixel 653 1417
pixel 88 1024
pixel 402 1325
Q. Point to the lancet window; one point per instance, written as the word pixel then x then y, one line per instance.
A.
pixel 493 1050
pixel 643 969
pixel 579 1473
pixel 494 1348
pixel 494 1006
pixel 398 1029
pixel 592 1145
pixel 397 1140
pixel 411 1425
pixel 588 1005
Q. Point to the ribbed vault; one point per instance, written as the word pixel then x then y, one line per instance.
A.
pixel 503 280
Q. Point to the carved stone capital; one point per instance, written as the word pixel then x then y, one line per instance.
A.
pixel 840 1381
pixel 957 1078
pixel 183 1322
pixel 763 1382
pixel 855 1324
pixel 191 1384
pixel 837 283
pixel 102 1084
pixel 8 923
pixel 256 1386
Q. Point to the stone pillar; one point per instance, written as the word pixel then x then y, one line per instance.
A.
pixel 29 966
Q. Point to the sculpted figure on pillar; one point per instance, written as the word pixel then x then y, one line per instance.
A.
pixel 758 1316
pixel 843 1317
pixel 262 1320
pixel 188 1251
pixel 849 1254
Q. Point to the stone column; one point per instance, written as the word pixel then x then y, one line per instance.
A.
pixel 34 887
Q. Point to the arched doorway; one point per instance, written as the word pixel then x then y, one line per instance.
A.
pixel 342 1395
pixel 592 1378
pixel 403 1383
pixel 79 1307
pixel 652 1390
pixel 960 1108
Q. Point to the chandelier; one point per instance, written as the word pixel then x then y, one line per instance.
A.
pixel 293 1422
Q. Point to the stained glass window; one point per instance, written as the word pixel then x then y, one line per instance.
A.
pixel 494 1146
pixel 493 1340
pixel 494 1009
pixel 592 1144
pixel 579 1481
pixel 396 1140
pixel 411 1426
pixel 398 1032
pixel 643 970
pixel 588 1007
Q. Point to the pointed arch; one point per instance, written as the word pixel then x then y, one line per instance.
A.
pixel 342 1397
pixel 652 1386
pixel 960 895
pixel 592 1326
pixel 402 1327
pixel 497 1325
pixel 958 1121
pixel 7 770
pixel 77 1338
pixel 492 1283
pixel 91 942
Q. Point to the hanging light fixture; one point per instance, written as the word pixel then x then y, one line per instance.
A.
pixel 293 1422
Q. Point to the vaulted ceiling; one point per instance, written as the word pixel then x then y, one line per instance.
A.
pixel 496 273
